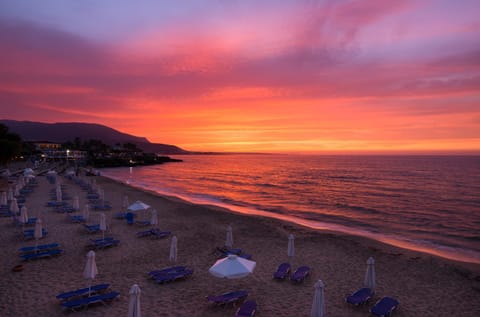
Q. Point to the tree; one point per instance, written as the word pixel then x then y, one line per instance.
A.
pixel 10 145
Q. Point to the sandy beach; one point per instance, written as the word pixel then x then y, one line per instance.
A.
pixel 424 284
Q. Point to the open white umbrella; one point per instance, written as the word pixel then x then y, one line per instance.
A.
pixel 370 274
pixel 27 171
pixel 103 224
pixel 137 206
pixel 90 270
pixel 76 203
pixel 154 218
pixel 291 247
pixel 86 212
pixel 318 306
pixel 38 231
pixel 229 238
pixel 134 309
pixel 232 267
pixel 173 249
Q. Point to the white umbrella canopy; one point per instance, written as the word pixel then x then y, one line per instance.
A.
pixel 370 274
pixel 318 306
pixel 232 267
pixel 90 270
pixel 173 249
pixel 138 205
pixel 23 215
pixel 76 203
pixel 27 171
pixel 103 224
pixel 229 238
pixel 59 193
pixel 86 212
pixel 154 218
pixel 134 309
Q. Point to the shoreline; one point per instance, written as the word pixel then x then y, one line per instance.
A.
pixel 420 282
pixel 442 252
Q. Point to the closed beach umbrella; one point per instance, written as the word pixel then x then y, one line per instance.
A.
pixel 23 215
pixel 10 193
pixel 3 198
pixel 125 202
pixel 154 218
pixel 370 274
pixel 318 306
pixel 59 194
pixel 17 190
pixel 291 247
pixel 86 212
pixel 90 270
pixel 173 249
pixel 103 224
pixel 137 206
pixel 38 231
pixel 134 303
pixel 76 204
pixel 14 207
pixel 232 267
pixel 229 238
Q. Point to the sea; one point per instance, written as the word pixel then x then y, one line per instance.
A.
pixel 425 203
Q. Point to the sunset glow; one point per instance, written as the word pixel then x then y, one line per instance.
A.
pixel 252 76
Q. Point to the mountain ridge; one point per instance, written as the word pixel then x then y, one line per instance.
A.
pixel 61 132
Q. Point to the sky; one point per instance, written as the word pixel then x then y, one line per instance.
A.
pixel 339 76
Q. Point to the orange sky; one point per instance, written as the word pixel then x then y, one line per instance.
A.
pixel 280 76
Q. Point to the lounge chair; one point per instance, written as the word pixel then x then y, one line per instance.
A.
pixel 77 218
pixel 143 222
pixel 29 233
pixel 360 297
pixel 42 247
pixel 103 243
pixel 92 228
pixel 102 207
pixel 300 274
pixel 157 234
pixel 84 302
pixel 94 290
pixel 172 276
pixel 227 298
pixel 224 252
pixel 247 309
pixel 129 217
pixel 120 215
pixel 384 307
pixel 282 271
pixel 167 270
pixel 41 255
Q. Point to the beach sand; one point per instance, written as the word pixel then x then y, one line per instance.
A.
pixel 425 285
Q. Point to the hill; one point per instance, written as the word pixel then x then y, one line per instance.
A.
pixel 68 131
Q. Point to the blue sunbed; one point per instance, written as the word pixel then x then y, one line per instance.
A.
pixel 227 298
pixel 300 274
pixel 42 247
pixel 172 276
pixel 84 302
pixel 78 218
pixel 384 307
pixel 129 217
pixel 167 270
pixel 41 255
pixel 82 292
pixel 103 243
pixel 92 228
pixel 360 297
pixel 247 309
pixel 282 271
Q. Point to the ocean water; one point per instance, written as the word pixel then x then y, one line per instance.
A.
pixel 426 203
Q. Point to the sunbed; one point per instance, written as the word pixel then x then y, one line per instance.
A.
pixel 247 309
pixel 84 302
pixel 384 307
pixel 94 290
pixel 92 228
pixel 282 271
pixel 360 297
pixel 227 298
pixel 103 243
pixel 29 233
pixel 167 270
pixel 300 274
pixel 77 218
pixel 42 247
pixel 129 217
pixel 154 232
pixel 41 254
pixel 224 252
pixel 102 207
pixel 172 276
